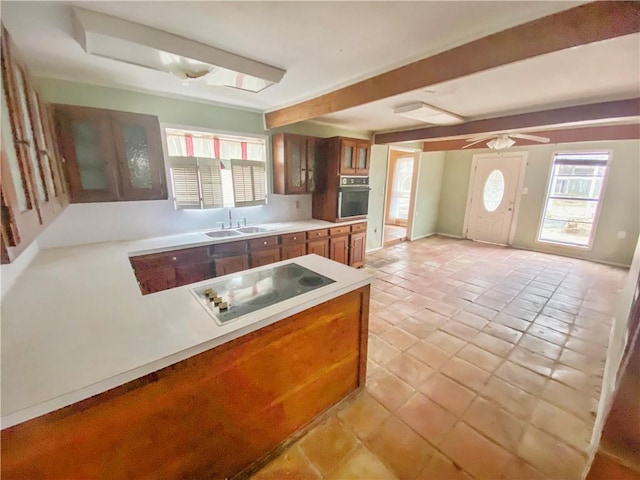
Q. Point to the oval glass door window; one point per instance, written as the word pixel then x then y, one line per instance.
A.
pixel 493 191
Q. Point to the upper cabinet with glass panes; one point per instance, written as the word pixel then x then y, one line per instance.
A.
pixel 111 155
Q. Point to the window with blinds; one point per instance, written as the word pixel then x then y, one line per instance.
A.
pixel 210 170
pixel 573 198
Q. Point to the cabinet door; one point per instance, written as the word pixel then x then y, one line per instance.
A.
pixel 86 141
pixel 339 249
pixel 227 265
pixel 295 164
pixel 186 274
pixel 156 279
pixel 363 152
pixel 357 249
pixel 138 148
pixel 265 257
pixel 319 247
pixel 347 157
pixel 311 165
pixel 49 140
pixel 293 251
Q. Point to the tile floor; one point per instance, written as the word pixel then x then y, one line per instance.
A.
pixel 394 234
pixel 484 362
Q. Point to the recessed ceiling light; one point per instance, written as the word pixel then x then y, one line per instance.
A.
pixel 129 42
pixel 428 114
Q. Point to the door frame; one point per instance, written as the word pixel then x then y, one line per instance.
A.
pixel 524 155
pixel 414 184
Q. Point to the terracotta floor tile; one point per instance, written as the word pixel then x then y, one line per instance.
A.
pixel 549 322
pixel 511 321
pixel 573 378
pixel 441 468
pixel 465 373
pixel 558 314
pixel 378 325
pixel 364 415
pixel 445 342
pixel 389 390
pixel 328 444
pixel 551 456
pixel 404 306
pixel 474 453
pixel 563 425
pixel 479 357
pixel 470 319
pixel 585 363
pixel 459 330
pixel 494 422
pixel 548 334
pixel 599 336
pixel 362 465
pixel 402 449
pixel 503 332
pixel 380 351
pixel 429 354
pixel 427 418
pixel 391 315
pixel 430 318
pixel 521 377
pixel 565 307
pixel 571 400
pixel 542 347
pixel 519 470
pixel 399 338
pixel 412 371
pixel 490 302
pixel 492 344
pixel 532 361
pixel 290 465
pixel 479 310
pixel 416 327
pixel 448 393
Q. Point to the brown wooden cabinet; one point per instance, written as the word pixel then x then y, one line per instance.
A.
pixel 156 279
pixel 264 257
pixel 293 251
pixel 227 265
pixel 293 163
pixel 357 247
pixel 319 247
pixel 354 156
pixel 111 155
pixel 33 188
pixel 339 249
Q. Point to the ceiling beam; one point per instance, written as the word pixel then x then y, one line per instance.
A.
pixel 577 26
pixel 567 135
pixel 555 117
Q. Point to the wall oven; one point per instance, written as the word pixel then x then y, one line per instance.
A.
pixel 353 196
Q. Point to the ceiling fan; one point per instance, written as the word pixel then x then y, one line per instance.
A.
pixel 500 141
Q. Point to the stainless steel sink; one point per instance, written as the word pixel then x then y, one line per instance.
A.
pixel 223 233
pixel 252 229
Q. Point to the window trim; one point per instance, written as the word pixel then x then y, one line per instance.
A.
pixel 600 201
pixel 267 145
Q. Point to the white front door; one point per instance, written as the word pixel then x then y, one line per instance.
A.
pixel 495 182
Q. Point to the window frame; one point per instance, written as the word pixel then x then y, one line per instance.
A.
pixel 267 145
pixel 600 200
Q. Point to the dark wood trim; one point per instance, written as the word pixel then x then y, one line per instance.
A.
pixel 555 117
pixel 569 135
pixel 577 26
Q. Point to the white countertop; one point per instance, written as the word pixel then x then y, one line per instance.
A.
pixel 75 323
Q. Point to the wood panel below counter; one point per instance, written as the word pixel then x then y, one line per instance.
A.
pixel 209 416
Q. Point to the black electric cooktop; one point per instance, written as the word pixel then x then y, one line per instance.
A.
pixel 250 291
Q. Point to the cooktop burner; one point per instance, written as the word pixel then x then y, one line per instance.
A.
pixel 250 291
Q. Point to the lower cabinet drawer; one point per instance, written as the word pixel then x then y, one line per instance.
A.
pixel 319 247
pixel 263 243
pixel 340 230
pixel 359 227
pixel 227 265
pixel 293 238
pixel 313 234
pixel 293 251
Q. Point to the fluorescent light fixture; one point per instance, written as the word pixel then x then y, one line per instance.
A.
pixel 129 42
pixel 428 114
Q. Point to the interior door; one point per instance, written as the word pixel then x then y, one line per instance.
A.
pixel 495 182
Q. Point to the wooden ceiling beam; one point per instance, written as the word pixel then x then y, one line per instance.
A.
pixel 555 117
pixel 592 22
pixel 567 135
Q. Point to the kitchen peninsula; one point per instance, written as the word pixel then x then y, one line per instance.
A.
pixel 122 384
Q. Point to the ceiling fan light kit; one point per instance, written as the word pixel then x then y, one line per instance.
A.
pixel 428 114
pixel 129 42
pixel 502 141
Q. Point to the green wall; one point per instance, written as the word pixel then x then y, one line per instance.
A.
pixel 427 200
pixel 620 205
pixel 176 111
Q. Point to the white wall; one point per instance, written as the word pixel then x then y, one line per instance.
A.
pixel 378 184
pixel 427 197
pixel 102 222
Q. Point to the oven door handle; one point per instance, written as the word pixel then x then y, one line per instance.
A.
pixel 339 204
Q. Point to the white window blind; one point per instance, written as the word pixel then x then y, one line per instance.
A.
pixel 249 179
pixel 197 182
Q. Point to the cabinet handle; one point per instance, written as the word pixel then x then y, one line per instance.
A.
pixel 295 238
pixel 174 258
pixel 264 243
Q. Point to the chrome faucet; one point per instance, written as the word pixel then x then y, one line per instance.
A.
pixel 230 220
pixel 244 220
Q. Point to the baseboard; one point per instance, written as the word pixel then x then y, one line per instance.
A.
pixel 594 260
pixel 449 235
pixel 374 249
pixel 427 235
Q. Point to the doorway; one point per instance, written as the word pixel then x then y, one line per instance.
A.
pixel 493 200
pixel 399 193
